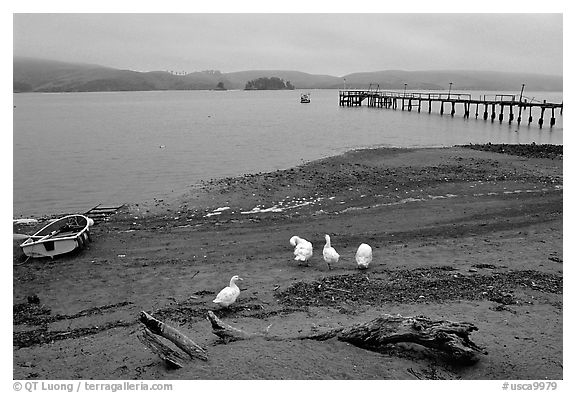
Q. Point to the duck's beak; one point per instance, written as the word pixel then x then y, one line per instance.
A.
pixel 240 278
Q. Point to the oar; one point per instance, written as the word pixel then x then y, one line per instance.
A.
pixel 21 236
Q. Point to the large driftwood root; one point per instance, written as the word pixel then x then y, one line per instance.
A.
pixel 175 359
pixel 450 338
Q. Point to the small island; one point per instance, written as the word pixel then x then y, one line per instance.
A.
pixel 273 83
pixel 220 86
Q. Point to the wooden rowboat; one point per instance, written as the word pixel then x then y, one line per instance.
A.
pixel 61 236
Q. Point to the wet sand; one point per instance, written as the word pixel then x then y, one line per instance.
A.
pixel 457 234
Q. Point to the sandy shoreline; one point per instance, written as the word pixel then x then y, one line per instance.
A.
pixel 446 225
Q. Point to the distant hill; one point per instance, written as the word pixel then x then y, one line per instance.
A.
pixel 54 76
pixel 461 80
pixel 36 75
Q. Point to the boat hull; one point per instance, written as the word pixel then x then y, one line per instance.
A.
pixel 61 236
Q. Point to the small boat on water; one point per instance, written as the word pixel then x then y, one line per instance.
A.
pixel 305 98
pixel 61 236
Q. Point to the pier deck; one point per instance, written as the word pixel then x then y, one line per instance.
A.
pixel 489 103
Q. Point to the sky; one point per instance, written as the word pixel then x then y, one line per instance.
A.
pixel 319 43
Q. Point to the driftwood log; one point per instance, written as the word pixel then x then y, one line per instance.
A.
pixel 450 338
pixel 229 333
pixel 159 328
pixel 175 359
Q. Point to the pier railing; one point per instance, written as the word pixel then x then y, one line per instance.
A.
pixel 409 100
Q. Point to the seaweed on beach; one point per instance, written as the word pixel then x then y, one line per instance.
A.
pixel 554 152
pixel 33 313
pixel 30 313
pixel 44 336
pixel 409 286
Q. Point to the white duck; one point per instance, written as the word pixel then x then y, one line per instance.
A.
pixel 364 256
pixel 303 248
pixel 228 295
pixel 329 253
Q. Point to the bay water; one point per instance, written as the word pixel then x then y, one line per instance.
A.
pixel 73 151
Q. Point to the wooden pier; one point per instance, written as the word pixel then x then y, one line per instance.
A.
pixel 487 106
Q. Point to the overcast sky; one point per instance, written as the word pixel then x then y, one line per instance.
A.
pixel 333 44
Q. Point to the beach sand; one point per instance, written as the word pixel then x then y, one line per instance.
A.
pixel 457 234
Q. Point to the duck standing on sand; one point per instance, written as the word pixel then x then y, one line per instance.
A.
pixel 329 253
pixel 228 295
pixel 303 248
pixel 364 256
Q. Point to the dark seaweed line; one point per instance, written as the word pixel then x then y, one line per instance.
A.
pixel 25 313
pixel 43 336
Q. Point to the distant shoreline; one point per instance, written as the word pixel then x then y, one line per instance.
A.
pixel 295 89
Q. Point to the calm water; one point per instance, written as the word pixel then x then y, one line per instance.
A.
pixel 73 151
